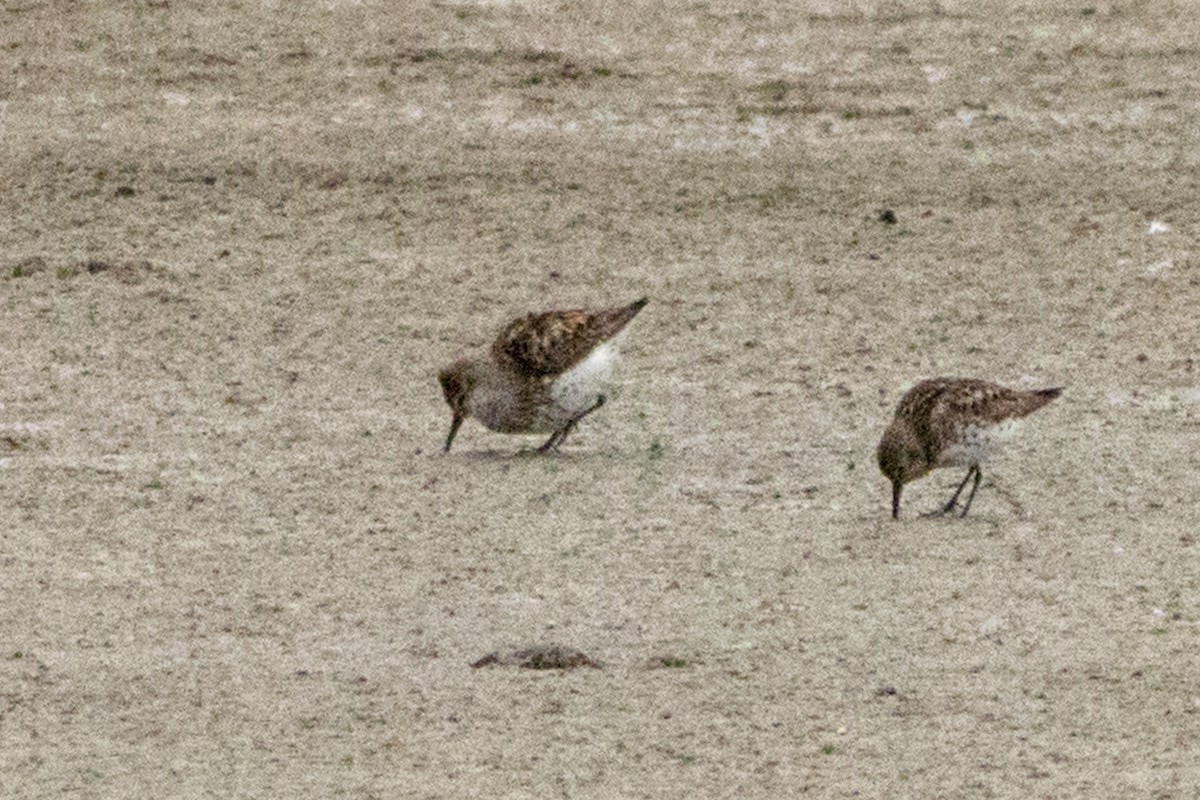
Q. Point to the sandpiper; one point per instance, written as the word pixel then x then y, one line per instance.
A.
pixel 952 422
pixel 544 373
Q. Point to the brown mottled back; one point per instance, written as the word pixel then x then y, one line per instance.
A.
pixel 552 342
pixel 936 407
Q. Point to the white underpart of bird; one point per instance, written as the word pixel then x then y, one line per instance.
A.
pixel 978 442
pixel 577 389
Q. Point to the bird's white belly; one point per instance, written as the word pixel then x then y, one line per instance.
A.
pixel 577 389
pixel 975 442
pixel 570 394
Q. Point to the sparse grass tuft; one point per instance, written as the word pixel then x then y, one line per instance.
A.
pixel 773 91
pixel 28 266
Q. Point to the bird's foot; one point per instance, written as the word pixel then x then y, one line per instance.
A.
pixel 551 444
pixel 944 511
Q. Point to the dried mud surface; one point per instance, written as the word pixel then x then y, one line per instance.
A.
pixel 240 238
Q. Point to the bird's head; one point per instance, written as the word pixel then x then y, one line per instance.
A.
pixel 901 459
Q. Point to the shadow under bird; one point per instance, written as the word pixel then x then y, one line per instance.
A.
pixel 543 374
pixel 952 422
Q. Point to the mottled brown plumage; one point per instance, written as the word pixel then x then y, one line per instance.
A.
pixel 544 373
pixel 552 342
pixel 946 422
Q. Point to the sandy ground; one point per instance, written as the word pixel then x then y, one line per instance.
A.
pixel 239 239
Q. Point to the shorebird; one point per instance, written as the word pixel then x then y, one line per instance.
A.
pixel 544 373
pixel 952 422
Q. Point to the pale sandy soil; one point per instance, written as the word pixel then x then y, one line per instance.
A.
pixel 240 238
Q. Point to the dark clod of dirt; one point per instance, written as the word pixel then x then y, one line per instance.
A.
pixel 124 191
pixel 487 661
pixel 539 657
pixel 554 658
pixel 887 216
pixel 128 272
pixel 670 662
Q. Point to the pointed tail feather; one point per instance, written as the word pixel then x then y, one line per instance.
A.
pixel 612 320
pixel 1038 398
pixel 1046 395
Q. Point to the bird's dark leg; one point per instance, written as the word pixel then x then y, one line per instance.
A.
pixel 974 486
pixel 556 438
pixel 559 435
pixel 974 470
pixel 458 420
pixel 946 509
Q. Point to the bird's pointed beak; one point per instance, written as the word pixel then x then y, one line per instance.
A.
pixel 897 487
pixel 458 420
